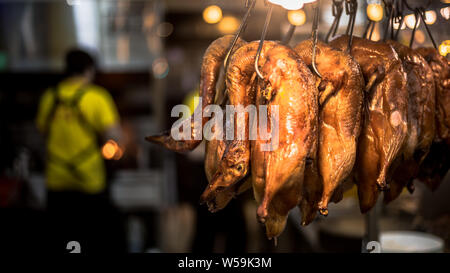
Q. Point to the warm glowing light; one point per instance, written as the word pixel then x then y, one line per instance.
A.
pixel 396 25
pixel 376 36
pixel 419 37
pixel 290 4
pixel 430 17
pixel 375 12
pixel 228 25
pixel 445 12
pixel 410 21
pixel 212 14
pixel 296 17
pixel 444 48
pixel 445 1
pixel 111 150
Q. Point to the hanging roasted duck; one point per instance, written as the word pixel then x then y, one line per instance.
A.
pixel 421 125
pixel 214 151
pixel 421 116
pixel 385 115
pixel 212 62
pixel 240 81
pixel 437 163
pixel 340 109
pixel 278 172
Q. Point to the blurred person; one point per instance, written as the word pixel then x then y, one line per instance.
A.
pixel 77 118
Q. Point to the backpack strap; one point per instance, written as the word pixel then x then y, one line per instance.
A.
pixel 72 164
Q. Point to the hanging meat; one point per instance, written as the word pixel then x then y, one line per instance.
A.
pixel 240 81
pixel 441 73
pixel 421 116
pixel 385 115
pixel 278 173
pixel 213 154
pixel 340 109
pixel 212 62
pixel 437 163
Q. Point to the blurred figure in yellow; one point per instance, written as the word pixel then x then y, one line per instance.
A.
pixel 77 118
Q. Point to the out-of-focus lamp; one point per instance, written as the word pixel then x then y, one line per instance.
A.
pixel 430 17
pixel 291 4
pixel 228 25
pixel 212 14
pixel 375 12
pixel 445 12
pixel 410 21
pixel 444 48
pixel 397 25
pixel 296 17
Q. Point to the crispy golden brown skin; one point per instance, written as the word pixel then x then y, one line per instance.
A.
pixel 437 163
pixel 441 73
pixel 340 109
pixel 278 174
pixel 213 154
pixel 385 116
pixel 212 62
pixel 421 116
pixel 240 81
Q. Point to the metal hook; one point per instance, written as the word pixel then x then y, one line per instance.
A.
pixel 416 11
pixel 389 7
pixel 288 35
pixel 421 13
pixel 351 7
pixel 314 37
pixel 337 9
pixel 250 6
pixel 261 41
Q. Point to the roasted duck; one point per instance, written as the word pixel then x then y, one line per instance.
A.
pixel 340 109
pixel 437 163
pixel 385 116
pixel 212 62
pixel 278 173
pixel 240 81
pixel 213 154
pixel 421 116
pixel 441 73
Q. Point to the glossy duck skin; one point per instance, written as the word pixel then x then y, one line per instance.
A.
pixel 212 62
pixel 278 174
pixel 385 115
pixel 213 154
pixel 441 73
pixel 436 165
pixel 421 116
pixel 340 110
pixel 240 81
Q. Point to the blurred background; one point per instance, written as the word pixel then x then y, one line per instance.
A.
pixel 149 54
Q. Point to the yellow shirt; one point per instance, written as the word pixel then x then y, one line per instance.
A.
pixel 67 136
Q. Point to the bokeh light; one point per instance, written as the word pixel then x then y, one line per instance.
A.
pixel 444 48
pixel 296 17
pixel 212 14
pixel 289 4
pixel 160 68
pixel 228 25
pixel 410 21
pixel 396 25
pixel 164 29
pixel 445 12
pixel 430 17
pixel 111 150
pixel 375 12
pixel 419 37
